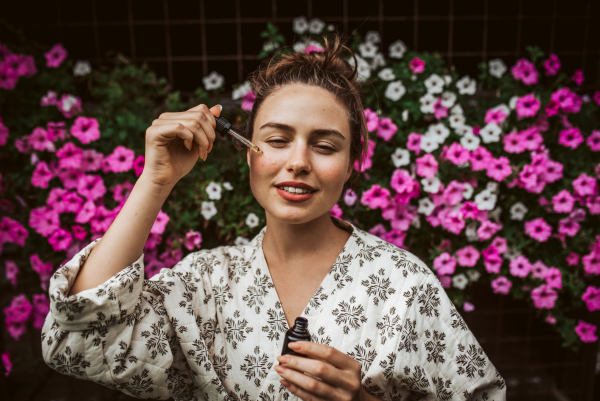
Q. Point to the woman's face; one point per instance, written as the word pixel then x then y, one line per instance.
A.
pixel 305 131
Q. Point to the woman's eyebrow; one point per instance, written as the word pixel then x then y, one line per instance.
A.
pixel 289 128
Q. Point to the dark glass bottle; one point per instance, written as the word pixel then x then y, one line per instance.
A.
pixel 297 333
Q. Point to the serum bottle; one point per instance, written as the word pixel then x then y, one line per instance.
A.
pixel 297 333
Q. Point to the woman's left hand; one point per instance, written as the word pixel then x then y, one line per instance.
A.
pixel 339 374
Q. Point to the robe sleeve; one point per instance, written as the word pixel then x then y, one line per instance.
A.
pixel 119 333
pixel 437 355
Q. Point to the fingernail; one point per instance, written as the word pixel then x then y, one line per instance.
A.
pixel 283 359
pixel 188 145
pixel 279 369
pixel 220 107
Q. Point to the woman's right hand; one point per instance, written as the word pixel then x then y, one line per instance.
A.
pixel 175 141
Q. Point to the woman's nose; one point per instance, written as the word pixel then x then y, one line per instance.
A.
pixel 299 159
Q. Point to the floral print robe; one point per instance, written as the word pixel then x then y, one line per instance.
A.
pixel 212 327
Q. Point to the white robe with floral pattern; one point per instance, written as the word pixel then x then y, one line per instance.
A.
pixel 212 327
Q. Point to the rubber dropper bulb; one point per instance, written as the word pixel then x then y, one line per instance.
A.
pixel 297 333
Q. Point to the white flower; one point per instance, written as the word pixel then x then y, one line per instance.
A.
pixel 386 74
pixel 395 90
pixel 492 186
pixel 434 84
pixel 448 99
pixel 495 214
pixel 456 110
pixel 426 206
pixel 227 185
pixel 518 211
pixel 378 61
pixel 401 157
pixel 252 220
pixel 241 240
pixel 299 47
pixel 511 253
pixel 208 210
pixel 512 103
pixel 331 27
pixel 427 102
pixel 438 131
pixel 456 120
pixel 470 141
pixel 486 200
pixel 460 281
pixel 471 232
pixel 214 191
pixel 431 185
pixel 363 68
pixel 82 68
pixel 214 80
pixel 473 274
pixel 372 37
pixel 468 191
pixel 241 91
pixel 497 67
pixel 447 79
pixel 416 222
pixel 428 144
pixel 464 130
pixel 269 46
pixel 397 49
pixel 405 115
pixel 368 49
pixel 316 26
pixel 490 133
pixel 300 25
pixel 466 85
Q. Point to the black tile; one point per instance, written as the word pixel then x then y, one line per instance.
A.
pixel 186 40
pixel 44 12
pixel 159 68
pixel 43 34
pixel 221 39
pixel 150 41
pixel 187 75
pixel 79 42
pixel 255 9
pixel 504 7
pixel 115 39
pixel 184 9
pixel 249 67
pixel 538 7
pixel 502 35
pixel 75 11
pixel 111 10
pixel 219 9
pixel 434 7
pixel 404 8
pixel 466 65
pixel 392 31
pixel 468 8
pixel 327 9
pixel 572 7
pixel 467 36
pixel 569 34
pixel 293 9
pixel 251 41
pixel 433 36
pixel 536 34
pixel 362 27
pixel 363 8
pixel 148 9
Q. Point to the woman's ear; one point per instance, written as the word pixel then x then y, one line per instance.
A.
pixel 349 172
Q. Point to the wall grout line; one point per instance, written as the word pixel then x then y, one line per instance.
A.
pixel 450 31
pixel 96 34
pixel 168 43
pixel 203 39
pixel 131 31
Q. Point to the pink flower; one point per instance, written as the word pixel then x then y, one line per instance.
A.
pixel 78 232
pixel 85 129
pixel 544 297
pixel 41 175
pixel 480 158
pixel 402 181
pixel 121 159
pixel 493 265
pixel 568 101
pixel 499 168
pixel 91 186
pixel 386 129
pixel 554 278
pixel 427 166
pixel 597 97
pixel 102 219
pixel 563 202
pixel 7 363
pixel 496 116
pixel 60 239
pixel 39 140
pixel 56 199
pixel 527 106
pixel 445 281
pixel 193 239
pixel 457 154
pixel 11 272
pixel 585 185
pixel 467 256
pixel 417 65
pixel 487 230
pixel 445 264
pixel 572 259
pixel 3 133
pixel 41 308
pixel 49 99
pixel 366 158
pixel 520 266
pixel 92 160
pixel 376 197
pixel 586 332
pixel 313 48
pixel 453 193
pixel 371 119
pixel 532 139
pixel 138 165
pixel 578 77
pixel 73 202
pixel 69 105
pixel 593 141
pixel 514 143
pixel 86 212
pixel 121 191
pixel 568 226
pixel 501 285
pixel 554 171
pixel 538 229
pixel 378 231
pixel 469 210
pixel 12 231
pixel 70 156
pixel 591 297
pixel 591 262
pixel 525 71
pixel 336 211
pixel 153 241
pixel 43 269
pixel 468 307
pixel 452 220
pixel 500 244
pixel 44 220
pixel 593 204
pixel 570 138
pixel 414 142
pixel 248 101
pixel 350 197
pixel 160 223
pixel 70 177
pixel 552 65
pixel 439 111
pixel 395 237
pixel 55 56
pixel 539 270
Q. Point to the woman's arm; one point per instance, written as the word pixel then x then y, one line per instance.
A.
pixel 124 241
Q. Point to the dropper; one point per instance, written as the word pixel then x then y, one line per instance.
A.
pixel 224 127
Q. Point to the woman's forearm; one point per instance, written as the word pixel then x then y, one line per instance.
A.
pixel 124 241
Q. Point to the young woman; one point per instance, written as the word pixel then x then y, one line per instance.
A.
pixel 212 327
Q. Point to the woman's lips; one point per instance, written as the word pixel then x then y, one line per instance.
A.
pixel 294 197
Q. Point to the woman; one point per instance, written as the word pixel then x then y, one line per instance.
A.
pixel 212 327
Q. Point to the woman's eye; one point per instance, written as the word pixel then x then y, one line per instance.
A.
pixel 326 148
pixel 277 141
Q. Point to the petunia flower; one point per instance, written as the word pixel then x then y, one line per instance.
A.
pixel 417 65
pixel 350 197
pixel 386 129
pixel 121 159
pixel 591 297
pixel 55 56
pixel 69 105
pixel 527 106
pixel 578 77
pixel 586 332
pixel 467 256
pixel 501 285
pixel 525 72
pixel 85 129
pixel 60 240
pixel 376 197
pixel 563 202
pixel 520 266
pixel 544 297
pixel 585 185
pixel 538 229
pixel 570 137
pixel 552 65
pixel 160 223
pixel 444 264
pixel 336 211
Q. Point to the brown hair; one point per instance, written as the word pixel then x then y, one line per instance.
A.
pixel 328 70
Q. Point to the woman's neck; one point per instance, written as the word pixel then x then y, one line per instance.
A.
pixel 295 242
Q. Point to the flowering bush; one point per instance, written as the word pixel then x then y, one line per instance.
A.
pixel 486 180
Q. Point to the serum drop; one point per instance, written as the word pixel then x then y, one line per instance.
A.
pixel 297 333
